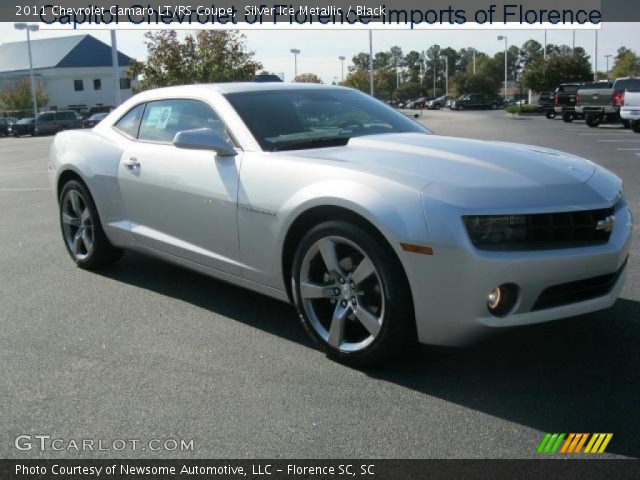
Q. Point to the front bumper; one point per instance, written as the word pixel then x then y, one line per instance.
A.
pixel 450 287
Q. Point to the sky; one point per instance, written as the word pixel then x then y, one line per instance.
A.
pixel 320 49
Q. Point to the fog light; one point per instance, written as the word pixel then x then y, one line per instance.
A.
pixel 502 299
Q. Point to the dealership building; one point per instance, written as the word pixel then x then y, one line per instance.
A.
pixel 73 71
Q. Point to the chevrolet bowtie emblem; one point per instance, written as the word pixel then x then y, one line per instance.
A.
pixel 607 224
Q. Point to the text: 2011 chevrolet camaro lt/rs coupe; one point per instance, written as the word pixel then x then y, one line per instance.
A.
pixel 377 231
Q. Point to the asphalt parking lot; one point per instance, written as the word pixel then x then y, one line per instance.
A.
pixel 146 350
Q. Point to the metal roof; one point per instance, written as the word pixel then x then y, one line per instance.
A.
pixel 58 52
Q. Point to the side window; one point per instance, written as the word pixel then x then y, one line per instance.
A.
pixel 46 117
pixel 130 122
pixel 164 118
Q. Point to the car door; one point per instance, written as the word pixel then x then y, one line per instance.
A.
pixel 181 201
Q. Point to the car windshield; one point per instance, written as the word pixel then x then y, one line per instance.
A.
pixel 299 119
pixel 97 116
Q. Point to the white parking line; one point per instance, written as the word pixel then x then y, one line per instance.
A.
pixel 628 149
pixel 622 141
pixel 603 134
pixel 23 189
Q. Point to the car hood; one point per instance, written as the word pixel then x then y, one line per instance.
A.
pixel 419 160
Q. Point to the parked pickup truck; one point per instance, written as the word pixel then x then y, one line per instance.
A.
pixel 604 105
pixel 476 100
pixel 630 110
pixel 546 102
pixel 595 102
pixel 565 101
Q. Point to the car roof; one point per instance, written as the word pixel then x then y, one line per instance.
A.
pixel 238 87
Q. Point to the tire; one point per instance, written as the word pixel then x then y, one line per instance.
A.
pixel 437 106
pixel 626 123
pixel 550 114
pixel 379 298
pixel 82 231
pixel 494 106
pixel 593 119
pixel 459 107
pixel 635 126
pixel 567 117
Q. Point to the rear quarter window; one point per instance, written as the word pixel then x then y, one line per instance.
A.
pixel 130 121
pixel 628 84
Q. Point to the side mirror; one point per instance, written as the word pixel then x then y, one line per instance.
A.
pixel 203 139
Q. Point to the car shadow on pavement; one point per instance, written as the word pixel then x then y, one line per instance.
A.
pixel 578 375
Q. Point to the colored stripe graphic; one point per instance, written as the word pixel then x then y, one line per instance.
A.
pixel 551 443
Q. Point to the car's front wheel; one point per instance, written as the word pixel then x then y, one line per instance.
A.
pixel 82 231
pixel 635 126
pixel 351 294
pixel 550 114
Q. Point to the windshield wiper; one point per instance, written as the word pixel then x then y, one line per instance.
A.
pixel 312 143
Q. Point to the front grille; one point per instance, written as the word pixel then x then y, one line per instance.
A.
pixel 574 292
pixel 547 231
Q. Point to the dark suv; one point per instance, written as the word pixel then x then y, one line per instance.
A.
pixel 53 122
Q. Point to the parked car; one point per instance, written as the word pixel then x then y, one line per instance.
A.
pixel 620 87
pixel 437 103
pixel 595 103
pixel 369 229
pixel 476 100
pixel 565 101
pixel 630 110
pixel 546 104
pixel 5 125
pixel 24 126
pixel 419 103
pixel 93 120
pixel 56 121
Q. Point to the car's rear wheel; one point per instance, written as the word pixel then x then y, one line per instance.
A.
pixel 550 114
pixel 593 120
pixel 494 106
pixel 635 126
pixel 437 106
pixel 351 294
pixel 460 107
pixel 626 123
pixel 567 117
pixel 82 231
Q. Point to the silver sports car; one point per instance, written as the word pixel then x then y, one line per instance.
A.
pixel 379 232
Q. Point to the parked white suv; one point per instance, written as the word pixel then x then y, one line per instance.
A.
pixel 630 109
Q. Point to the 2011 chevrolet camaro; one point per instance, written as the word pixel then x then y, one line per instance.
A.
pixel 378 231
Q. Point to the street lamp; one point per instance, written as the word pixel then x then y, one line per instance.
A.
pixel 446 75
pixel 30 28
pixel 608 57
pixel 504 37
pixel 342 59
pixel 295 52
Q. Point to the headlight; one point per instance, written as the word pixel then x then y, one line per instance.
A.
pixel 487 229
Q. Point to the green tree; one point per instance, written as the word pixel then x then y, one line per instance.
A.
pixel 467 82
pixel 360 62
pixel 410 90
pixel 546 75
pixel 214 56
pixel 307 78
pixel 19 98
pixel 530 52
pixel 358 79
pixel 627 64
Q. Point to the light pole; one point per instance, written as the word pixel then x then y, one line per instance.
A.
pixel 474 61
pixel 446 74
pixel 504 37
pixel 30 28
pixel 342 59
pixel 544 53
pixel 434 79
pixel 295 52
pixel 371 62
pixel 115 66
pixel 608 57
pixel 595 59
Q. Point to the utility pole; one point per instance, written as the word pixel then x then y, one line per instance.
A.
pixel 595 62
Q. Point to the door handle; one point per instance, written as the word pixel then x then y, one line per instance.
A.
pixel 132 163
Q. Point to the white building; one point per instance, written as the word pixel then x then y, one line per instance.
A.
pixel 73 71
